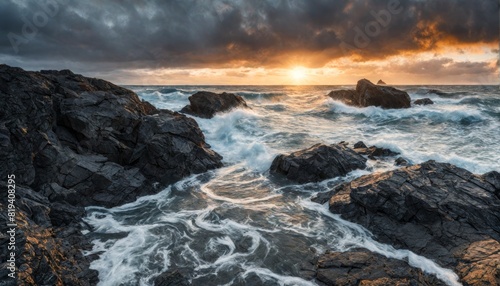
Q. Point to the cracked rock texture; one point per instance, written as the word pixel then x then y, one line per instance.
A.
pixel 206 104
pixel 437 210
pixel 369 94
pixel 71 142
pixel 317 163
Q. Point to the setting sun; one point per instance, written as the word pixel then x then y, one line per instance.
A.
pixel 298 73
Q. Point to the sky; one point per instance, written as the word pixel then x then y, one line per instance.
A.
pixel 227 42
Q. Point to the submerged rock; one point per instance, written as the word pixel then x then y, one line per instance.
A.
pixel 206 104
pixel 369 94
pixel 437 210
pixel 362 267
pixel 172 277
pixel 423 101
pixel 318 163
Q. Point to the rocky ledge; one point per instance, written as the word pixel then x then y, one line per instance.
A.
pixel 362 267
pixel 206 104
pixel 369 94
pixel 73 141
pixel 437 210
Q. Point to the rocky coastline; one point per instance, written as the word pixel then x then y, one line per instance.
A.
pixel 73 142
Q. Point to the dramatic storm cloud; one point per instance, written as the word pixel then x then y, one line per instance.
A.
pixel 105 35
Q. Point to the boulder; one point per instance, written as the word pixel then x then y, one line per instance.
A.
pixel 369 94
pixel 206 104
pixel 437 210
pixel 318 163
pixel 381 82
pixel 423 101
pixel 362 267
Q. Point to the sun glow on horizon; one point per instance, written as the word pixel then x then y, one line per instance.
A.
pixel 298 74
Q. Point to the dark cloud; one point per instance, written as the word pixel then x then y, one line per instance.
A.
pixel 97 35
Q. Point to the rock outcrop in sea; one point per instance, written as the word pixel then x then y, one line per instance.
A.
pixel 436 210
pixel 369 94
pixel 206 104
pixel 381 82
pixel 317 163
pixel 423 101
pixel 73 141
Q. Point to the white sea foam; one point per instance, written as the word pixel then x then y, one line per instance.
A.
pixel 356 236
pixel 236 221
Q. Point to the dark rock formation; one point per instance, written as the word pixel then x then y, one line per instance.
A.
pixel 423 101
pixel 381 82
pixel 373 151
pixel 369 94
pixel 48 250
pixel 437 210
pixel 362 267
pixel 206 104
pixel 172 277
pixel 349 97
pixel 93 137
pixel 318 163
pixel 400 161
pixel 74 141
pixel 360 144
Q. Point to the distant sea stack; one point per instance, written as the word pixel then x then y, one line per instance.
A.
pixel 369 94
pixel 381 82
pixel 206 104
pixel 72 142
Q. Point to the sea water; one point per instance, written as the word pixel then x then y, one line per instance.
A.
pixel 240 226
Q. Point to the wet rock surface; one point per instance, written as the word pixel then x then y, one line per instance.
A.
pixel 369 94
pixel 318 163
pixel 373 151
pixel 73 141
pixel 206 104
pixel 423 101
pixel 48 244
pixel 362 267
pixel 437 210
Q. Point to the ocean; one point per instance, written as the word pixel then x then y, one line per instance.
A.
pixel 240 226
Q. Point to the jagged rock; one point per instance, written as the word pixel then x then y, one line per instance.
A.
pixel 359 144
pixel 381 82
pixel 318 163
pixel 433 209
pixel 45 254
pixel 373 151
pixel 423 101
pixel 400 161
pixel 369 94
pixel 77 141
pixel 206 104
pixel 362 267
pixel 93 137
